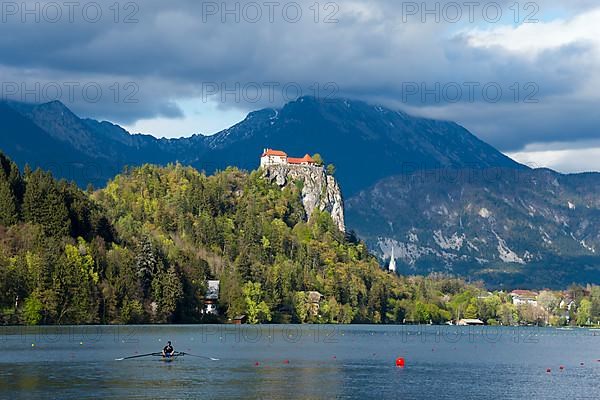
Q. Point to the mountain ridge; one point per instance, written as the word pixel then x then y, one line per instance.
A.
pixel 537 227
pixel 391 142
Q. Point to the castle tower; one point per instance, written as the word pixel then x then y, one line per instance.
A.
pixel 392 266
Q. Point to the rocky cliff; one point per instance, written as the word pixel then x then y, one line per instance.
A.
pixel 319 190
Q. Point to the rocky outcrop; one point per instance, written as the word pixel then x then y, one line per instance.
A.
pixel 319 190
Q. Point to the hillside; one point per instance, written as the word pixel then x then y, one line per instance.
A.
pixel 534 228
pixel 141 250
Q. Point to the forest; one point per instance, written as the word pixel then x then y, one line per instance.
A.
pixel 141 250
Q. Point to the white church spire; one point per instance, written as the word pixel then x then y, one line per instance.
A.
pixel 392 266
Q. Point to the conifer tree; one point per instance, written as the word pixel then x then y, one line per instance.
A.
pixel 146 264
pixel 167 292
pixel 10 191
pixel 44 204
pixel 8 204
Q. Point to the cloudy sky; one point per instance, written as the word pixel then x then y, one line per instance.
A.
pixel 522 76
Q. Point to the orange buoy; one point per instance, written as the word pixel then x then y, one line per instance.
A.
pixel 562 367
pixel 286 361
pixel 548 370
pixel 256 364
pixel 400 362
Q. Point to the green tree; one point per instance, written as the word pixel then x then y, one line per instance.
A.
pixel 132 312
pixel 595 299
pixel 471 310
pixel 167 292
pixel 8 204
pixel 487 307
pixel 584 312
pixel 301 306
pixel 331 169
pixel 44 204
pixel 32 311
pixel 146 264
pixel 318 159
pixel 75 283
pixel 9 173
pixel 256 309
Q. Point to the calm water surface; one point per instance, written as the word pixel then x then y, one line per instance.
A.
pixel 292 362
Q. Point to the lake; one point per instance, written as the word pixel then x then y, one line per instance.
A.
pixel 300 362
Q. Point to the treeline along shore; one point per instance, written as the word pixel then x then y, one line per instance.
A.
pixel 142 249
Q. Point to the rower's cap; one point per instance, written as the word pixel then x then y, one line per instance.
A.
pixel 169 342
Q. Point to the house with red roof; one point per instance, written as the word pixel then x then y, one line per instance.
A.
pixel 278 157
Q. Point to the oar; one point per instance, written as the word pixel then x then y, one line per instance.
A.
pixel 193 355
pixel 139 355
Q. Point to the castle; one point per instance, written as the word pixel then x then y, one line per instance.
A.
pixel 278 157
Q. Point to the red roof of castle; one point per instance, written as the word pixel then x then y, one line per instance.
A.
pixel 271 152
pixel 305 159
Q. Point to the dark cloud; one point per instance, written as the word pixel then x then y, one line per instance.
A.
pixel 175 51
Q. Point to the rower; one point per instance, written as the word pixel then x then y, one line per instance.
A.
pixel 168 350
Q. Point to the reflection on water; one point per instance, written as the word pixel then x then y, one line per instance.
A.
pixel 287 362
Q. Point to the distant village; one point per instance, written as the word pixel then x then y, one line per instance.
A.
pixel 576 306
pixel 556 308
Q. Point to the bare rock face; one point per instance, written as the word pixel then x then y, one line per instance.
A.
pixel 319 190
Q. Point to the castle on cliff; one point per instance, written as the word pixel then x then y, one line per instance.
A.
pixel 278 157
pixel 319 190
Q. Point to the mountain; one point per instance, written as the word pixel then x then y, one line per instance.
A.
pixel 26 142
pixel 365 142
pixel 535 228
pixel 445 200
pixel 52 137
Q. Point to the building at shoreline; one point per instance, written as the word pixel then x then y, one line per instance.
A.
pixel 524 297
pixel 211 298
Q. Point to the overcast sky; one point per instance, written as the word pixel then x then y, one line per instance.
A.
pixel 521 76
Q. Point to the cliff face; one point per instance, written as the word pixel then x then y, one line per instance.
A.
pixel 319 189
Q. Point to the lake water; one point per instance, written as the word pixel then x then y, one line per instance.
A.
pixel 300 362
